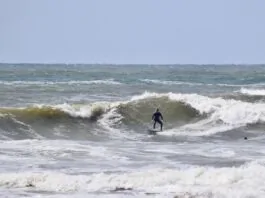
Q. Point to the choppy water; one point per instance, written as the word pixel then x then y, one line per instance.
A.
pixel 81 131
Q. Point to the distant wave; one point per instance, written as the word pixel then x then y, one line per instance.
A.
pixel 115 82
pixel 72 82
pixel 169 82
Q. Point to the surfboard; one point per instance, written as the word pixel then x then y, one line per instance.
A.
pixel 153 131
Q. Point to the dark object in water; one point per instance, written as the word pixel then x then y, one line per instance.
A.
pixel 30 185
pixel 121 189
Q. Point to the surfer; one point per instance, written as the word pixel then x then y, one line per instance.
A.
pixel 157 117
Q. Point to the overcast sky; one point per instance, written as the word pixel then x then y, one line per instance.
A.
pixel 132 31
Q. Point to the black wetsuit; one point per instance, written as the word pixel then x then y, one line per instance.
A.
pixel 156 117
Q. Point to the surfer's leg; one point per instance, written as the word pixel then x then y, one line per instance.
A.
pixel 161 124
pixel 154 124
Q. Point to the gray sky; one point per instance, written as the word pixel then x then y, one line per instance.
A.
pixel 135 31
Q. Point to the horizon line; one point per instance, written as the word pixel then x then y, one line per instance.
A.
pixel 130 64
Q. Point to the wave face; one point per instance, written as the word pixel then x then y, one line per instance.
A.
pixel 140 111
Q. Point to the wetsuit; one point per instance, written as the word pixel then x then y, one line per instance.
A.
pixel 156 117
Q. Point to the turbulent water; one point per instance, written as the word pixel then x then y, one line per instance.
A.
pixel 82 131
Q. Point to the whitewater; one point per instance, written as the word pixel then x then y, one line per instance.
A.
pixel 82 131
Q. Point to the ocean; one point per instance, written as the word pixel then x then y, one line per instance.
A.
pixel 77 130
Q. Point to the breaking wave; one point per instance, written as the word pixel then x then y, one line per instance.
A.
pixel 190 114
pixel 253 92
pixel 244 181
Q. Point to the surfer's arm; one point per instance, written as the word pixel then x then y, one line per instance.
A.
pixel 161 117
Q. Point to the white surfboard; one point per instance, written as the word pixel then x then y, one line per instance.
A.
pixel 153 131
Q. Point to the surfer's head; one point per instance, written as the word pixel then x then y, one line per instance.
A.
pixel 157 110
